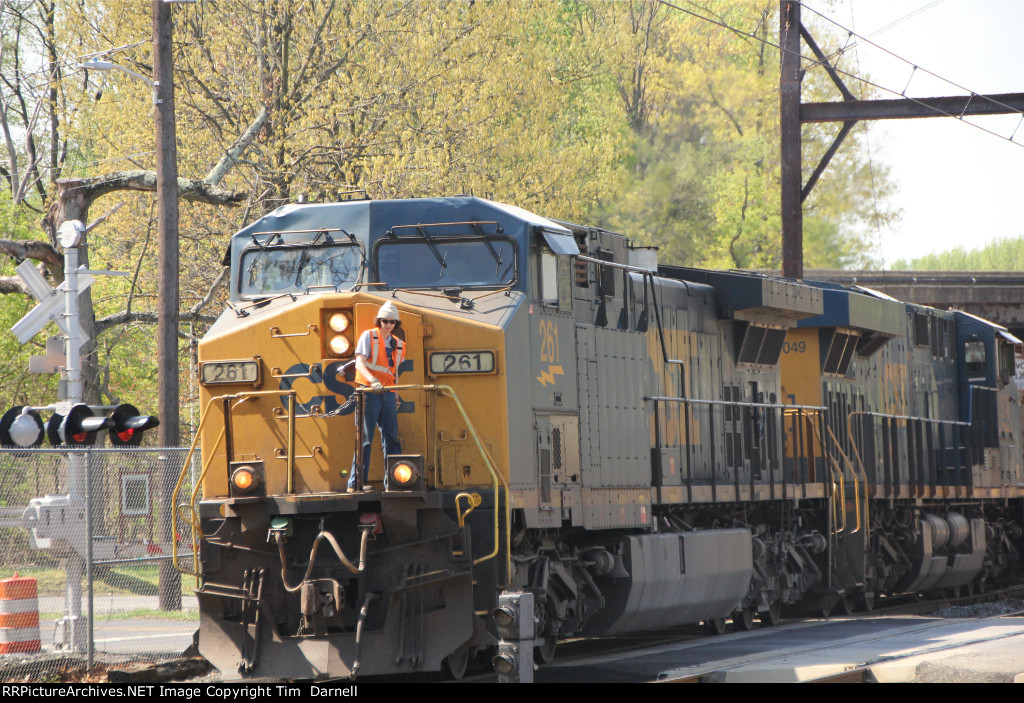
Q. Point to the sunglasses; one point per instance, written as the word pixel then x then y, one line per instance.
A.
pixel 389 322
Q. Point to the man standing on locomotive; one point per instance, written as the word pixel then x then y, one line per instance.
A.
pixel 379 354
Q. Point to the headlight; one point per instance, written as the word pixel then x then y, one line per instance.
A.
pixel 340 345
pixel 339 321
pixel 504 663
pixel 504 616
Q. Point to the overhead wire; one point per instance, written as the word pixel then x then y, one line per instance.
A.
pixel 915 66
pixel 816 62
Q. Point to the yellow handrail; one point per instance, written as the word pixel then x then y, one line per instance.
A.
pixel 839 510
pixel 863 471
pixel 196 528
pixel 491 468
pixel 497 480
pixel 856 489
pixel 473 499
pixel 496 477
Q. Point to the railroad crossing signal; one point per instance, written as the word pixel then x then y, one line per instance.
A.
pixel 51 303
pixel 21 426
pixel 127 426
pixel 74 425
pixel 78 428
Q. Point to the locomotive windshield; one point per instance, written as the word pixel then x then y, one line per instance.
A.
pixel 272 270
pixel 438 262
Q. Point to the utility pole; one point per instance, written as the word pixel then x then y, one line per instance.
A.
pixel 789 115
pixel 793 114
pixel 167 283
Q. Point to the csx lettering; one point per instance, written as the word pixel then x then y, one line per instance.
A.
pixel 894 377
pixel 326 403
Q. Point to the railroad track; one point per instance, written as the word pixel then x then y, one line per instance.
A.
pixel 661 659
pixel 896 652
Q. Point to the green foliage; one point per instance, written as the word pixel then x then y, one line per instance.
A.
pixel 1002 255
pixel 631 115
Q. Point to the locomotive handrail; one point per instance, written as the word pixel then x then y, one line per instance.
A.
pixel 310 328
pixel 888 416
pixel 738 403
pixel 275 372
pixel 841 485
pixel 196 528
pixel 916 418
pixel 627 267
pixel 488 462
pixel 856 491
pixel 647 274
pixel 863 472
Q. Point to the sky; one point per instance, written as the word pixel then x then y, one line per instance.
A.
pixel 957 185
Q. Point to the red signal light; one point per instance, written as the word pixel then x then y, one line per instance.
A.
pixel 128 426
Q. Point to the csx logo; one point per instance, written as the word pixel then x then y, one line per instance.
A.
pixel 329 377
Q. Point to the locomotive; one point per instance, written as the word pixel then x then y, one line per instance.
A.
pixel 593 444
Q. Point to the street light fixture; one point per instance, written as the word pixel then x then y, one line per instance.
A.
pixel 101 65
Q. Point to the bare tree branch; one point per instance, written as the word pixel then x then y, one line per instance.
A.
pixel 148 318
pixel 209 294
pixel 21 249
pixel 232 155
pixel 192 190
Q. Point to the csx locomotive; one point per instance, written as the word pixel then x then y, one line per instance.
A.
pixel 593 445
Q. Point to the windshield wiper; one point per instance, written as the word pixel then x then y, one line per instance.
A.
pixel 305 252
pixel 263 250
pixel 435 250
pixel 490 247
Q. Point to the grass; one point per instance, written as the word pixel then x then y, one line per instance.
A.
pixel 135 614
pixel 121 580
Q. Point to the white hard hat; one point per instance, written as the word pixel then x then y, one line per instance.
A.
pixel 387 311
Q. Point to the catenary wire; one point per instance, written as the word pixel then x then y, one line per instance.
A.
pixel 816 62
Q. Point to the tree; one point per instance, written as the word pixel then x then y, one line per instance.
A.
pixel 647 120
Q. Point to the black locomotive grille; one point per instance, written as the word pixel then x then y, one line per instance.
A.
pixel 556 450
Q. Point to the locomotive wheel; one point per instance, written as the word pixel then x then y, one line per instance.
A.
pixel 743 619
pixel 845 605
pixel 714 626
pixel 455 664
pixel 546 652
pixel 772 616
pixel 866 601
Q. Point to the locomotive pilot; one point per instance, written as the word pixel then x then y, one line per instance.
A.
pixel 379 355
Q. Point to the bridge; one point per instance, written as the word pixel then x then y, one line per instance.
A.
pixel 993 295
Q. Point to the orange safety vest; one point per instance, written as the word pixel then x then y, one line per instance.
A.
pixel 377 362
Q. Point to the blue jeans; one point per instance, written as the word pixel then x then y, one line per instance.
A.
pixel 378 410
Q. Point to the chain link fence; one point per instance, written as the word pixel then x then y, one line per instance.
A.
pixel 92 528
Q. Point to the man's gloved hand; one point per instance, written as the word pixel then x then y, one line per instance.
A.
pixel 376 386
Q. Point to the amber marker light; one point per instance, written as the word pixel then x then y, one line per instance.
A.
pixel 403 473
pixel 243 479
